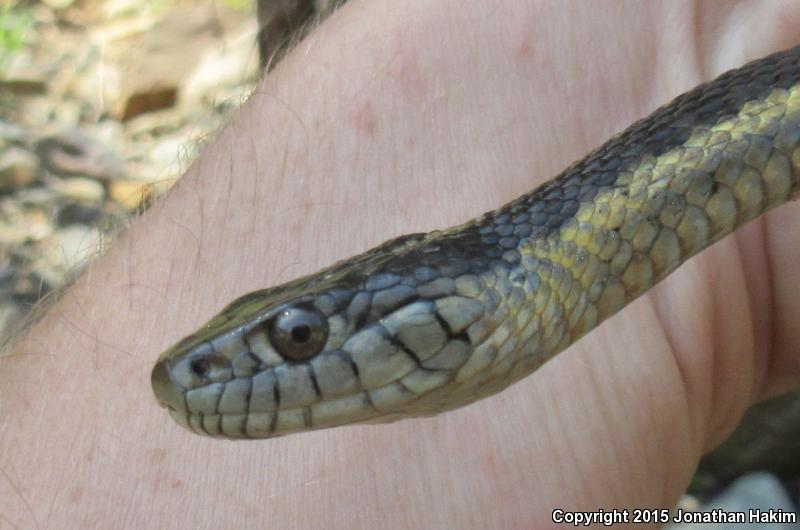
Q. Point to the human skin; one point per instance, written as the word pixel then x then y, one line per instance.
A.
pixel 392 118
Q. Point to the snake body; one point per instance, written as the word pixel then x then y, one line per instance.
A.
pixel 430 322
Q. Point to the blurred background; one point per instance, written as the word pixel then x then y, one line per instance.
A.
pixel 103 104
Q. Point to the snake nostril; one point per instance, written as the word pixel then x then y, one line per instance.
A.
pixel 201 366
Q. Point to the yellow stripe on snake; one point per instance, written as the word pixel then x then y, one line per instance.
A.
pixel 430 322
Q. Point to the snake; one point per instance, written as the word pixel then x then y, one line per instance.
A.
pixel 430 322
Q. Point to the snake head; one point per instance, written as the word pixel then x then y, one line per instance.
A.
pixel 356 343
pixel 431 322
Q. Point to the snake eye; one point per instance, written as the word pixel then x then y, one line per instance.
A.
pixel 298 333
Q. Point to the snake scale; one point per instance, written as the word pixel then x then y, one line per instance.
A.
pixel 429 322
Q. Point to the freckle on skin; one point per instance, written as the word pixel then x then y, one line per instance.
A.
pixel 525 50
pixel 75 495
pixel 364 119
pixel 405 71
pixel 177 484
pixel 490 463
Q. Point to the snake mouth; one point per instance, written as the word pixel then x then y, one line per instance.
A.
pixel 244 426
pixel 172 396
pixel 253 419
pixel 233 426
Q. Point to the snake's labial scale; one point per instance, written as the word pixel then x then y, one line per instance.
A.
pixel 429 322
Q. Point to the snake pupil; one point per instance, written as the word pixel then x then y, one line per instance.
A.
pixel 301 333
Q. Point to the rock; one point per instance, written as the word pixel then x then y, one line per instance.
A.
pixel 148 99
pixel 765 440
pixel 29 288
pixel 122 8
pixel 6 273
pixel 37 196
pixel 99 86
pixel 18 168
pixel 73 153
pixel 758 491
pixel 231 64
pixel 10 316
pixel 23 86
pixel 78 214
pixel 36 112
pixel 110 133
pixel 12 133
pixel 58 4
pixel 177 41
pixel 20 225
pixel 158 62
pixel 22 74
pixel 169 151
pixel 130 194
pixel 69 249
pixel 80 189
pixel 154 124
pixel 77 244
